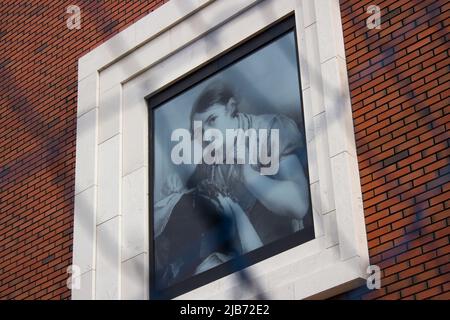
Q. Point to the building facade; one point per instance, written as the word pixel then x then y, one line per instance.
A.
pixel 73 173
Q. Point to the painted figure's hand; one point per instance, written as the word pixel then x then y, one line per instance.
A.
pixel 227 205
pixel 173 184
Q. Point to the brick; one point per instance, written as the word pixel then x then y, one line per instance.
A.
pixel 440 198
pixel 407 238
pixel 413 175
pixel 382 248
pixel 445 278
pixel 394 251
pixel 411 253
pixel 402 205
pixel 412 271
pixel 437 226
pixel 374 294
pixel 427 294
pixel 413 289
pixel 442 232
pixel 399 285
pixel 444 296
pixel 441 260
pixel 424 239
pixel 436 244
pixel 397 174
pixel 418 224
pixel 379 232
pixel 425 275
pixel 392 235
pixel 428 195
pixel 443 163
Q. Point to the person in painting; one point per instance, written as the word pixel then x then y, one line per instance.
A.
pixel 225 210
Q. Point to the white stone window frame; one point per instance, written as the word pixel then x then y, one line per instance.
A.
pixel 111 236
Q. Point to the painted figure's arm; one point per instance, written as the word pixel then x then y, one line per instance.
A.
pixel 287 195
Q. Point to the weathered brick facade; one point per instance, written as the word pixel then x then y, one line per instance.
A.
pixel 399 80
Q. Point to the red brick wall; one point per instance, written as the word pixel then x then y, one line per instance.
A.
pixel 38 101
pixel 398 76
pixel 399 82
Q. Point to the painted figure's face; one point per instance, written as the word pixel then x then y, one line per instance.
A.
pixel 219 117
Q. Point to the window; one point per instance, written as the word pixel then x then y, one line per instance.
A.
pixel 216 207
pixel 145 72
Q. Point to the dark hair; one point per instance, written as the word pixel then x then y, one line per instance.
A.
pixel 215 92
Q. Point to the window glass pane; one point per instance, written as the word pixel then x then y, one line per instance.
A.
pixel 230 175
